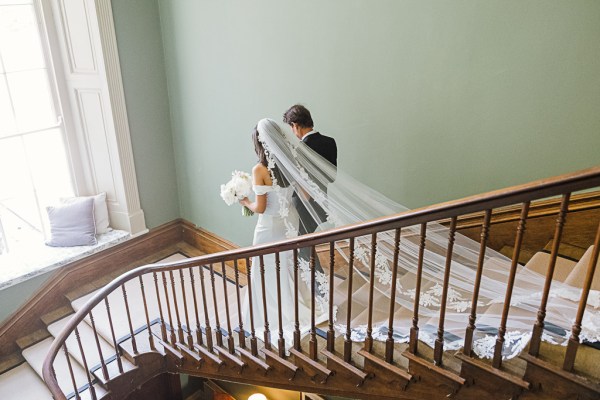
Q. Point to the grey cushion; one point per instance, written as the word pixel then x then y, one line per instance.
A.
pixel 72 224
pixel 100 211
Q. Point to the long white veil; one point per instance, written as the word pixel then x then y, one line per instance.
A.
pixel 333 199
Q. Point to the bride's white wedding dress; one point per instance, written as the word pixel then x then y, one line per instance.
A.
pixel 272 227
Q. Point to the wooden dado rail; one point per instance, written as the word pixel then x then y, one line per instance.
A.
pixel 207 342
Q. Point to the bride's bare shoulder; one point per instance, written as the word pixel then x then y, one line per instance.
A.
pixel 260 169
pixel 261 175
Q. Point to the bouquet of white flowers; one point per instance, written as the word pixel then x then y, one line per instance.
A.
pixel 239 187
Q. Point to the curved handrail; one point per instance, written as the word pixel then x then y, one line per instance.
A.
pixel 543 188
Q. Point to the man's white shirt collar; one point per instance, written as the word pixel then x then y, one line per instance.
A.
pixel 308 134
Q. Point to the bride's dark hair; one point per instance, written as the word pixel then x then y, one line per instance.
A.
pixel 262 158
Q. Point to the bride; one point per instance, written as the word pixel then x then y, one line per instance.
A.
pixel 287 165
pixel 277 220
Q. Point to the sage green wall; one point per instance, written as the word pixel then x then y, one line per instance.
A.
pixel 137 26
pixel 428 100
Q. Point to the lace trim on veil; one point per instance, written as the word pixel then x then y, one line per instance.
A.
pixel 458 301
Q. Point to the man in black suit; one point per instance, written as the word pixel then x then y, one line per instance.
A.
pixel 299 118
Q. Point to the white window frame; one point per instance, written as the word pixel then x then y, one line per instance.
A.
pixel 85 59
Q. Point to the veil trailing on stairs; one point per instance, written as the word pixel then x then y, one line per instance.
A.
pixel 333 199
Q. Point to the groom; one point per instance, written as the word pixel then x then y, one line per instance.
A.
pixel 299 118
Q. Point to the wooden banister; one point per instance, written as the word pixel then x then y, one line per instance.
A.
pixel 484 203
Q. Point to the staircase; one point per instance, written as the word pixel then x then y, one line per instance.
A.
pixel 183 316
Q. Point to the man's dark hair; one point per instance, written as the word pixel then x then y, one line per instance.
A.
pixel 298 114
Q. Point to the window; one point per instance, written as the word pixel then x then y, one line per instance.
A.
pixel 63 125
pixel 34 171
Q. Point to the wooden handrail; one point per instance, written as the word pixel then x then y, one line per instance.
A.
pixel 540 189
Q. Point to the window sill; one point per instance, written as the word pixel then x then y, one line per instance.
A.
pixel 17 267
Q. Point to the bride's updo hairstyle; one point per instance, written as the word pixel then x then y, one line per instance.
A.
pixel 262 158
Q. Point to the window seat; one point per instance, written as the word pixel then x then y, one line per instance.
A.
pixel 37 258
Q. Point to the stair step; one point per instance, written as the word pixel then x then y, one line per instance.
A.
pixel 183 348
pixel 11 361
pixel 428 365
pixel 33 338
pixel 118 310
pixel 311 367
pixel 379 364
pixel 35 356
pixel 208 355
pixel 57 314
pixel 470 365
pixel 88 341
pixel 251 359
pixel 274 357
pixel 230 359
pixel 22 382
pixel 333 360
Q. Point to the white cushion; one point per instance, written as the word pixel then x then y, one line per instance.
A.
pixel 72 224
pixel 100 211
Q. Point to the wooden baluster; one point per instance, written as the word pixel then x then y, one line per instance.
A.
pixel 389 343
pixel 102 363
pixel 114 339
pixel 439 341
pixel 369 339
pixel 163 327
pixel 281 341
pixel 253 341
pixel 190 341
pixel 485 229
pixel 296 314
pixel 414 330
pixel 198 330
pixel 230 342
pixel 538 327
pixel 241 333
pixel 172 329
pixel 208 331
pixel 131 332
pixel 497 360
pixel 218 332
pixel 85 365
pixel 331 332
pixel 267 337
pixel 150 336
pixel 174 292
pixel 75 389
pixel 573 343
pixel 312 343
pixel 347 340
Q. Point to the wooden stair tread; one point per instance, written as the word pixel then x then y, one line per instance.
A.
pixel 182 347
pixel 310 364
pixel 10 361
pixel 208 354
pixel 33 338
pixel 561 372
pixel 271 355
pixel 431 366
pixel 495 371
pixel 248 357
pixel 337 360
pixel 382 363
pixel 57 314
pixel 226 356
pixel 173 352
